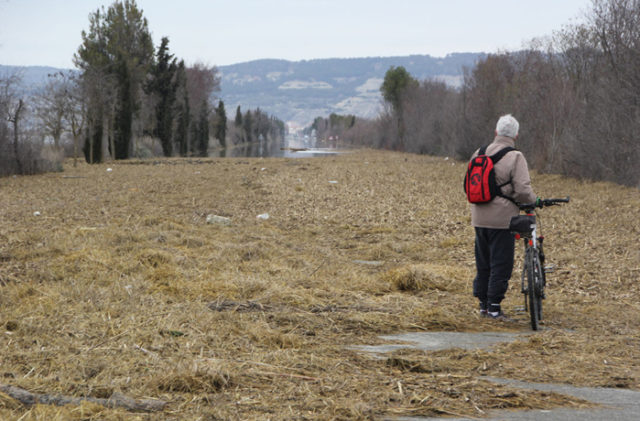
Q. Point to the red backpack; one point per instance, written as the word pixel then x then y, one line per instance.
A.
pixel 480 181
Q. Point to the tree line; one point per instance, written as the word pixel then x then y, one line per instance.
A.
pixel 576 94
pixel 127 99
pixel 327 131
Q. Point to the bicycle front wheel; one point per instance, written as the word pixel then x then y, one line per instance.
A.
pixel 534 287
pixel 539 283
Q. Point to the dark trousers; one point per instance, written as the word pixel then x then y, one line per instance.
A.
pixel 494 250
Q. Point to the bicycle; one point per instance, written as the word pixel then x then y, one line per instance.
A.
pixel 526 227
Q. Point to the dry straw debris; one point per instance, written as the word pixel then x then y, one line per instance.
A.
pixel 113 282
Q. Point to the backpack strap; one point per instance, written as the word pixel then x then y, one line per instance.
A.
pixel 501 153
pixel 497 157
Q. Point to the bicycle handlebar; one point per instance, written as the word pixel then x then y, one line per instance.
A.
pixel 542 203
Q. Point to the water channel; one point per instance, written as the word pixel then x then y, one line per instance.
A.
pixel 292 147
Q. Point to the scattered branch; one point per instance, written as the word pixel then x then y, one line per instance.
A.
pixel 117 400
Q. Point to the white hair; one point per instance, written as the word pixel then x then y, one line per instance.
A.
pixel 507 126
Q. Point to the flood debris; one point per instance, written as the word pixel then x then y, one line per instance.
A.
pixel 369 262
pixel 240 307
pixel 117 400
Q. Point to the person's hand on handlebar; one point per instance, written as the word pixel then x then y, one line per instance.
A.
pixel 551 202
pixel 540 203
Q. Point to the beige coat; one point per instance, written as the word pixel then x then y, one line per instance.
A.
pixel 513 166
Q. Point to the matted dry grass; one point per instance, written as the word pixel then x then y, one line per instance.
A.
pixel 120 285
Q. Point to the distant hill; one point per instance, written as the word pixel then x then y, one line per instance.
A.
pixel 299 91
pixel 33 77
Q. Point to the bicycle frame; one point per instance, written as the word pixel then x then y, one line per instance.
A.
pixel 532 279
pixel 533 270
pixel 533 240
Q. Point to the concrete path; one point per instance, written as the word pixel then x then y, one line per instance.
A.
pixel 617 404
pixel 434 341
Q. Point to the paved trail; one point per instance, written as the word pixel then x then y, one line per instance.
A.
pixel 617 404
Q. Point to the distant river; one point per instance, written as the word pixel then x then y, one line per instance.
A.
pixel 271 150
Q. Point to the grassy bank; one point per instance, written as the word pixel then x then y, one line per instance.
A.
pixel 119 284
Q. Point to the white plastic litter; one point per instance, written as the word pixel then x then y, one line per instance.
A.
pixel 263 216
pixel 217 219
pixel 109 169
pixel 36 213
pixel 333 182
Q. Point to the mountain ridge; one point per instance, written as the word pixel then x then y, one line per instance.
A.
pixel 299 91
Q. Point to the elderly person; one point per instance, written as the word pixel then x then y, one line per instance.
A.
pixel 494 243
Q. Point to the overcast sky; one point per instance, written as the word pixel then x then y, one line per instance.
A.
pixel 220 32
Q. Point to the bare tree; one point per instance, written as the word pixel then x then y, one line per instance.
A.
pixel 98 88
pixel 577 96
pixel 51 105
pixel 616 24
pixel 430 114
pixel 14 118
pixel 363 133
pixel 75 111
pixel 202 82
pixel 601 58
pixel 10 108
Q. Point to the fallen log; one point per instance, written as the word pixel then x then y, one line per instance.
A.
pixel 117 400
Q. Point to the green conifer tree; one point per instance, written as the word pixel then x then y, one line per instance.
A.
pixel 114 59
pixel 202 131
pixel 221 124
pixel 182 111
pixel 163 86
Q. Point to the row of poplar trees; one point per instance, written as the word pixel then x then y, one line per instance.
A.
pixel 130 90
